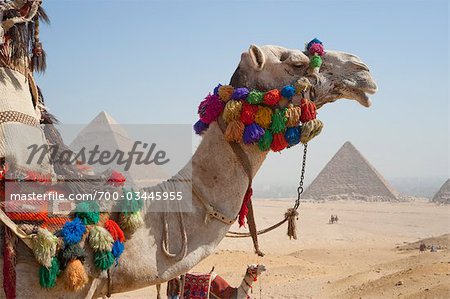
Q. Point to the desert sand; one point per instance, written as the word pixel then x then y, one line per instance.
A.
pixel 370 253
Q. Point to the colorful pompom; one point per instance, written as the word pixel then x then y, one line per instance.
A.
pixel 69 253
pixel 264 117
pixel 240 93
pixel 293 114
pixel 116 179
pixel 131 221
pixel 272 97
pixel 75 276
pixel 288 91
pixel 314 41
pixel 279 143
pixel 73 231
pixel 292 135
pixel 225 92
pixel 132 203
pixel 200 127
pixel 310 130
pixel 248 113
pixel 47 276
pixel 316 48
pixel 44 247
pixel 255 97
pixel 210 109
pixel 117 249
pixel 308 110
pixel 265 142
pixel 216 89
pixel 234 131
pixel 100 239
pixel 114 229
pixel 103 260
pixel 315 62
pixel 88 212
pixel 232 111
pixel 278 121
pixel 253 133
pixel 302 85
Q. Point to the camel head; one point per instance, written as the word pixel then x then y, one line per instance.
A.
pixel 341 75
pixel 255 270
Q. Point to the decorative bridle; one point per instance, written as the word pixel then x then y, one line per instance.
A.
pixel 273 121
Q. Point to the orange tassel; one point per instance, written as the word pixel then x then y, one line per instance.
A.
pixel 75 277
pixel 234 131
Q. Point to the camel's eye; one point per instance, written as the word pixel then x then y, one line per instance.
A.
pixel 284 56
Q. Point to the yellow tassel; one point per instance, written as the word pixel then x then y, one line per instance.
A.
pixel 310 130
pixel 302 84
pixel 75 277
pixel 293 115
pixel 234 131
pixel 232 111
pixel 225 92
pixel 264 117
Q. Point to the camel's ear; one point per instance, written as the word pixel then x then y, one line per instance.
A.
pixel 257 56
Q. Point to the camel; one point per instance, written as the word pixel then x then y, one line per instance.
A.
pixel 217 174
pixel 220 289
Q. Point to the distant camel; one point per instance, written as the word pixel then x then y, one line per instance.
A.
pixel 219 288
pixel 422 248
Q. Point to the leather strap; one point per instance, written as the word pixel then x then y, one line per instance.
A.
pixel 245 162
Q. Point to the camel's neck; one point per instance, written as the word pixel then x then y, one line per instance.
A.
pixel 221 180
pixel 245 287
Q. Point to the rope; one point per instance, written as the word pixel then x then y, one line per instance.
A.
pixel 165 240
pixel 290 215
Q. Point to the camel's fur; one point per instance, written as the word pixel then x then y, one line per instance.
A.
pixel 217 175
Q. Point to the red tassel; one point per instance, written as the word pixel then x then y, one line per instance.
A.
pixel 308 110
pixel 248 113
pixel 279 142
pixel 9 264
pixel 272 97
pixel 116 179
pixel 115 231
pixel 244 209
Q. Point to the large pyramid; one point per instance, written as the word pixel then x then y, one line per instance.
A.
pixel 443 195
pixel 349 175
pixel 106 132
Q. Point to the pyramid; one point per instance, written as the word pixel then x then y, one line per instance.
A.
pixel 443 195
pixel 348 175
pixel 106 132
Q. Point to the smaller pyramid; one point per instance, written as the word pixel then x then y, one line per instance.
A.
pixel 106 133
pixel 443 195
pixel 348 175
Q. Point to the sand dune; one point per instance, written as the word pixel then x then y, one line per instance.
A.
pixel 370 253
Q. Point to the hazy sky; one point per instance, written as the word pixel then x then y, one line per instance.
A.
pixel 154 61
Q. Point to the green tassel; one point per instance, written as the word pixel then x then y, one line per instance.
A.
pixel 88 212
pixel 131 204
pixel 103 260
pixel 255 97
pixel 265 142
pixel 316 61
pixel 47 276
pixel 278 121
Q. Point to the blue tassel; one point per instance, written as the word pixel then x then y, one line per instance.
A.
pixel 117 250
pixel 73 231
pixel 216 89
pixel 292 135
pixel 288 91
pixel 200 127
